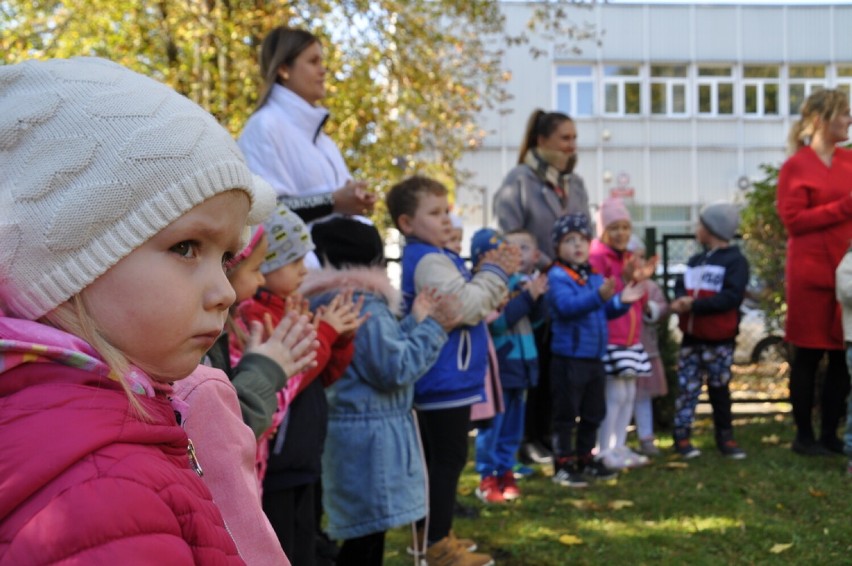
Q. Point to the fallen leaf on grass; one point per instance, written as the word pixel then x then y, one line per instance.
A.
pixel 816 492
pixel 779 548
pixel 583 504
pixel 570 540
pixel 619 504
pixel 676 465
pixel 771 439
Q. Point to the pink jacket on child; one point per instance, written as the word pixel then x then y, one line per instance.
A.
pixel 625 330
pixel 225 447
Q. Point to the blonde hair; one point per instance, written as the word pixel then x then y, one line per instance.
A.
pixel 823 105
pixel 73 317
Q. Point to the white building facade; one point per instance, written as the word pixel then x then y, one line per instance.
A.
pixel 677 106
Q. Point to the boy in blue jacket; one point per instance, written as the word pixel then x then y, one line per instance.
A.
pixel 443 396
pixel 517 359
pixel 580 301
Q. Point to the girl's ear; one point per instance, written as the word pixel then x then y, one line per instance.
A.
pixel 284 73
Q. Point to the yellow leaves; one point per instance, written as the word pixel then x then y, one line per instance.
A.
pixel 816 492
pixel 619 504
pixel 675 465
pixel 772 440
pixel 570 540
pixel 780 547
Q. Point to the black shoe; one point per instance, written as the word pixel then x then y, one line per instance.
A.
pixel 730 449
pixel 832 444
pixel 597 470
pixel 537 453
pixel 810 448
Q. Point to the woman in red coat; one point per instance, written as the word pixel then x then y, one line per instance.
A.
pixel 815 205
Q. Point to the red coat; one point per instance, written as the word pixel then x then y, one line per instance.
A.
pixel 85 481
pixel 815 205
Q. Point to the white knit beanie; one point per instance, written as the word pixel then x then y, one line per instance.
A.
pixel 95 160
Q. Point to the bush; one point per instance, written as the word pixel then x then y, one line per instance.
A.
pixel 766 245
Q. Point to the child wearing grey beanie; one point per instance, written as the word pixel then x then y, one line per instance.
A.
pixel 120 201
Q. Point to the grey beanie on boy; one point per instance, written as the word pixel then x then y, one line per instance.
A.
pixel 721 219
pixel 96 160
pixel 288 238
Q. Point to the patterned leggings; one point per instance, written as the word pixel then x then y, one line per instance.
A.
pixel 696 362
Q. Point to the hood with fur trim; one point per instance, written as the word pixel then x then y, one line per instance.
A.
pixel 366 279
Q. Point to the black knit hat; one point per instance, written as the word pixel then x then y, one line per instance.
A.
pixel 345 241
pixel 577 222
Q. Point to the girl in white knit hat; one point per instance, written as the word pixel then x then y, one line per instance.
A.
pixel 120 202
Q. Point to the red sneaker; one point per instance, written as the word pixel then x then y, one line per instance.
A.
pixel 489 490
pixel 510 488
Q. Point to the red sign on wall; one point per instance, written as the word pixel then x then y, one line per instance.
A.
pixel 622 192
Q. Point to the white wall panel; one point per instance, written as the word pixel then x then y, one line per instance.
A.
pixel 669 33
pixel 671 178
pixel 714 132
pixel 667 133
pixel 761 133
pixel 805 25
pixel 624 33
pixel 716 33
pixel 762 34
pixel 842 21
pixel 717 174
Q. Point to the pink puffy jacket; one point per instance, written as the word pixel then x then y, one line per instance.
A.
pixel 84 480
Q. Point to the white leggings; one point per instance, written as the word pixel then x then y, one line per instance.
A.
pixel 620 394
pixel 643 414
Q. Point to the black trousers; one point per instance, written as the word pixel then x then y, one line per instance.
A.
pixel 835 388
pixel 444 434
pixel 292 515
pixel 368 550
pixel 579 390
pixel 538 418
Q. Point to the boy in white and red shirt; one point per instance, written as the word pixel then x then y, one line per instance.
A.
pixel 708 303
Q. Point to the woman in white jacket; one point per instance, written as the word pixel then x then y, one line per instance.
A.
pixel 283 141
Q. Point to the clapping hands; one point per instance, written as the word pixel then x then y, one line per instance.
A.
pixel 445 309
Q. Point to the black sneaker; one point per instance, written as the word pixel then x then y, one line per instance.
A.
pixel 567 477
pixel 810 448
pixel 832 444
pixel 729 449
pixel 597 470
pixel 686 450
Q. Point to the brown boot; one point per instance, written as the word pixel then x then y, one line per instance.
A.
pixel 447 552
pixel 466 543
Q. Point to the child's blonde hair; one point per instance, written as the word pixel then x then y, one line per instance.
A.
pixel 73 317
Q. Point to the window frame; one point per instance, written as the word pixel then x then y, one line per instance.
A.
pixel 669 83
pixel 572 82
pixel 620 82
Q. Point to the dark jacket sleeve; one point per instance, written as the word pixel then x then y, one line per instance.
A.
pixel 257 378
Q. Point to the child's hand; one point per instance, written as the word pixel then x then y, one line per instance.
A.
pixel 607 290
pixel 632 292
pixel 342 313
pixel 298 304
pixel 424 303
pixel 447 311
pixel 645 269
pixel 682 305
pixel 538 286
pixel 292 344
pixel 507 257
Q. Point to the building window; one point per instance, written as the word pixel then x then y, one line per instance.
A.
pixel 760 90
pixel 622 90
pixel 803 80
pixel 715 91
pixel 844 79
pixel 575 90
pixel 668 89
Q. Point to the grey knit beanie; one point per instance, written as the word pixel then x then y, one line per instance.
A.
pixel 288 238
pixel 721 219
pixel 96 160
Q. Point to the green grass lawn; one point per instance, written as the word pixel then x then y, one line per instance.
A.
pixel 705 511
